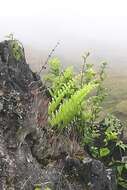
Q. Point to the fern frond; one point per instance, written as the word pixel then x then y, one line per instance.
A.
pixel 66 90
pixel 71 107
pixel 62 79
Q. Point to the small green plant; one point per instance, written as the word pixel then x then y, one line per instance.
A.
pixel 111 149
pixel 16 47
pixel 37 187
pixel 112 136
pixel 94 104
pixel 104 152
pixel 56 78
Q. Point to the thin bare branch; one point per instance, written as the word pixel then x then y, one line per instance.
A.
pixel 48 57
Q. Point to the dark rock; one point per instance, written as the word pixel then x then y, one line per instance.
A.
pixel 93 173
pixel 18 168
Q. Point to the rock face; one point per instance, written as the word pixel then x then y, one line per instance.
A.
pixel 25 140
pixel 18 168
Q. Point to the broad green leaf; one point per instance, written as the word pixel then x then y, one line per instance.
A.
pixel 104 152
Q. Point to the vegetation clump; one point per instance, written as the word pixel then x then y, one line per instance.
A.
pixel 76 97
pixel 75 107
pixel 16 47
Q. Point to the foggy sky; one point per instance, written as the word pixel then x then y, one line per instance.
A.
pixel 98 26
